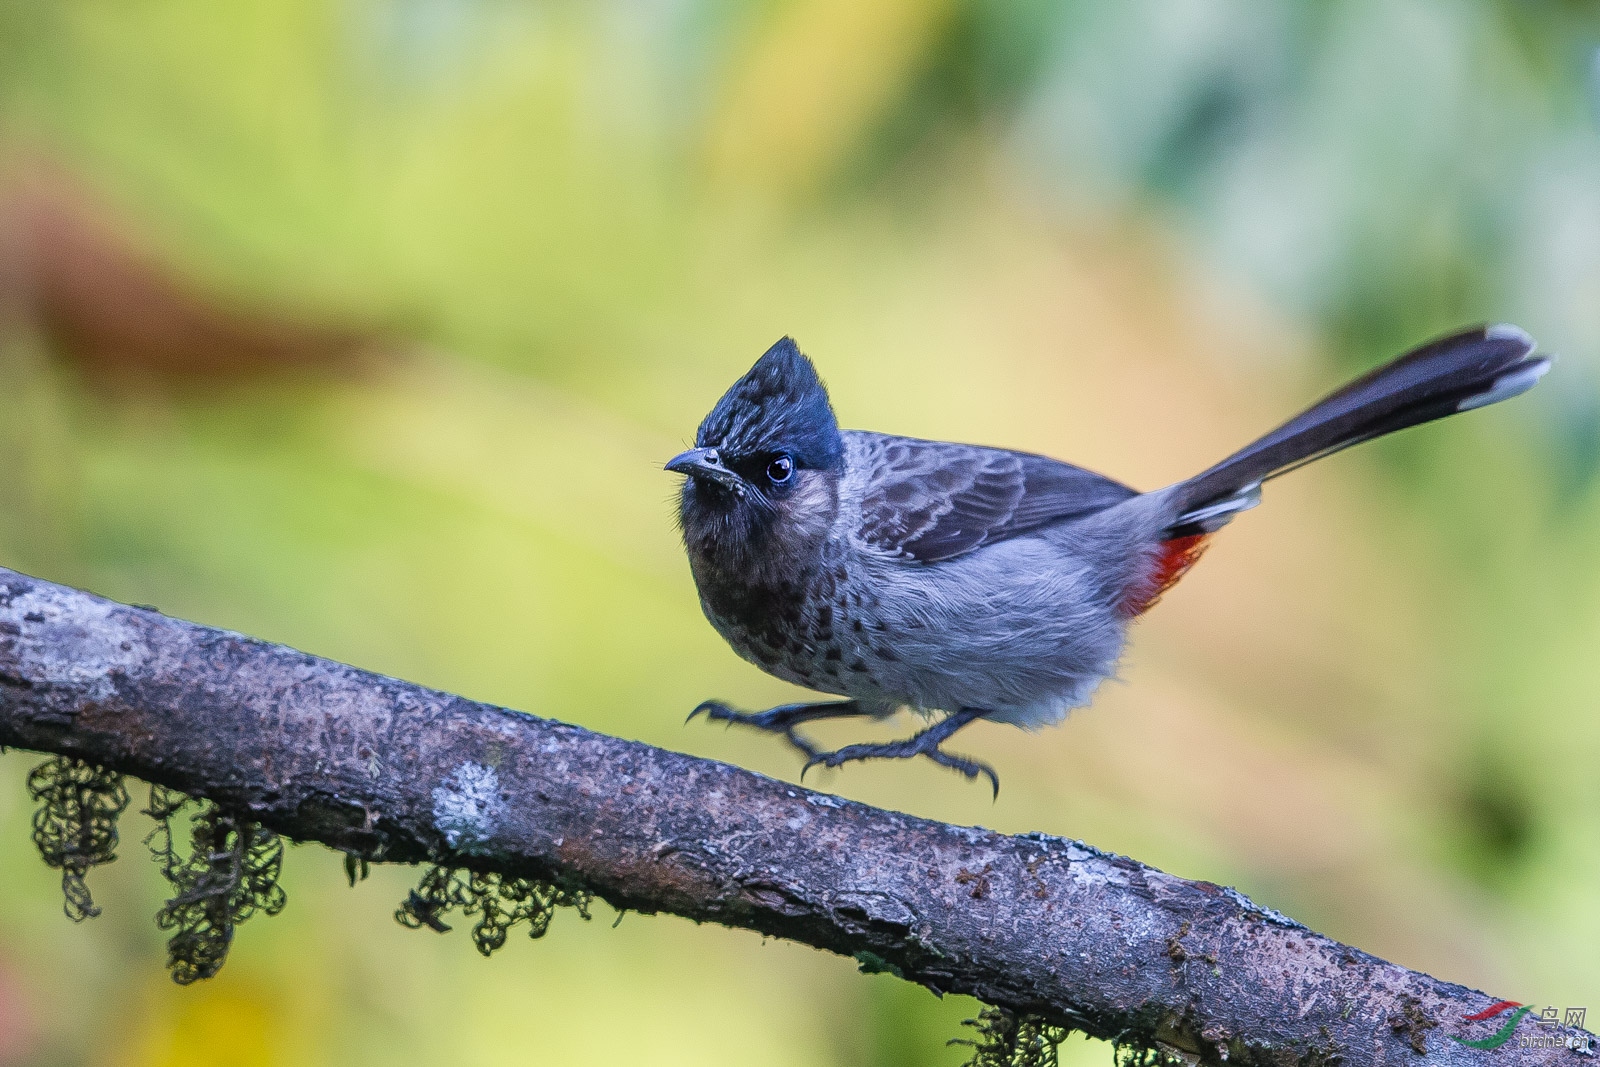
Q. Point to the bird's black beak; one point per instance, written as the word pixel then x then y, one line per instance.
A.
pixel 706 465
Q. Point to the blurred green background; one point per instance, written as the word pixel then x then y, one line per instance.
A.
pixel 365 326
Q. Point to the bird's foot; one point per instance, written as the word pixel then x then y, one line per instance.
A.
pixel 926 743
pixel 781 719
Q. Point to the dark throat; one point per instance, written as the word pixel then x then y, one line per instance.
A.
pixel 756 568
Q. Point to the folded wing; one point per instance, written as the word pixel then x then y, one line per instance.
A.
pixel 931 500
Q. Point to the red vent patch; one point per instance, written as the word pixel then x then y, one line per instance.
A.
pixel 1173 562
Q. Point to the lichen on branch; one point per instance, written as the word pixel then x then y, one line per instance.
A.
pixel 1005 1039
pixel 501 902
pixel 75 824
pixel 229 873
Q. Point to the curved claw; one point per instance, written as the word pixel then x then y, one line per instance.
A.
pixel 779 720
pixel 925 743
pixel 972 768
pixel 785 717
pixel 964 765
pixel 712 709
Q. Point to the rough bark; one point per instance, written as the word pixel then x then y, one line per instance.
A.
pixel 320 751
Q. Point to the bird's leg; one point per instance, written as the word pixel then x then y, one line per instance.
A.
pixel 925 743
pixel 781 719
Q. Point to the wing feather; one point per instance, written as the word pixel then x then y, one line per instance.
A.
pixel 932 500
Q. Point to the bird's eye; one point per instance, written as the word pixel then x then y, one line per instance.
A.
pixel 780 470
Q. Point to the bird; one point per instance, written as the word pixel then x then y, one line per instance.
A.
pixel 969 583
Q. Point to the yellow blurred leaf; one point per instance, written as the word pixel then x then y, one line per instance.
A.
pixel 214 1024
pixel 811 80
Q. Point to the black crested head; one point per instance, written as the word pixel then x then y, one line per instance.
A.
pixel 762 485
pixel 779 406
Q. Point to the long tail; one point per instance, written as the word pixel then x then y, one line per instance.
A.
pixel 1470 369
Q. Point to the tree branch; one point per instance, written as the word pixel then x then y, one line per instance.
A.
pixel 319 751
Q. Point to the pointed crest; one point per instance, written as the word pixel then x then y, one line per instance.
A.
pixel 780 405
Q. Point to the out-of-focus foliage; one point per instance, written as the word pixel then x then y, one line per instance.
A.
pixel 1131 234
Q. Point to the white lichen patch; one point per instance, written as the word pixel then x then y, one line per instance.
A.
pixel 68 640
pixel 467 807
